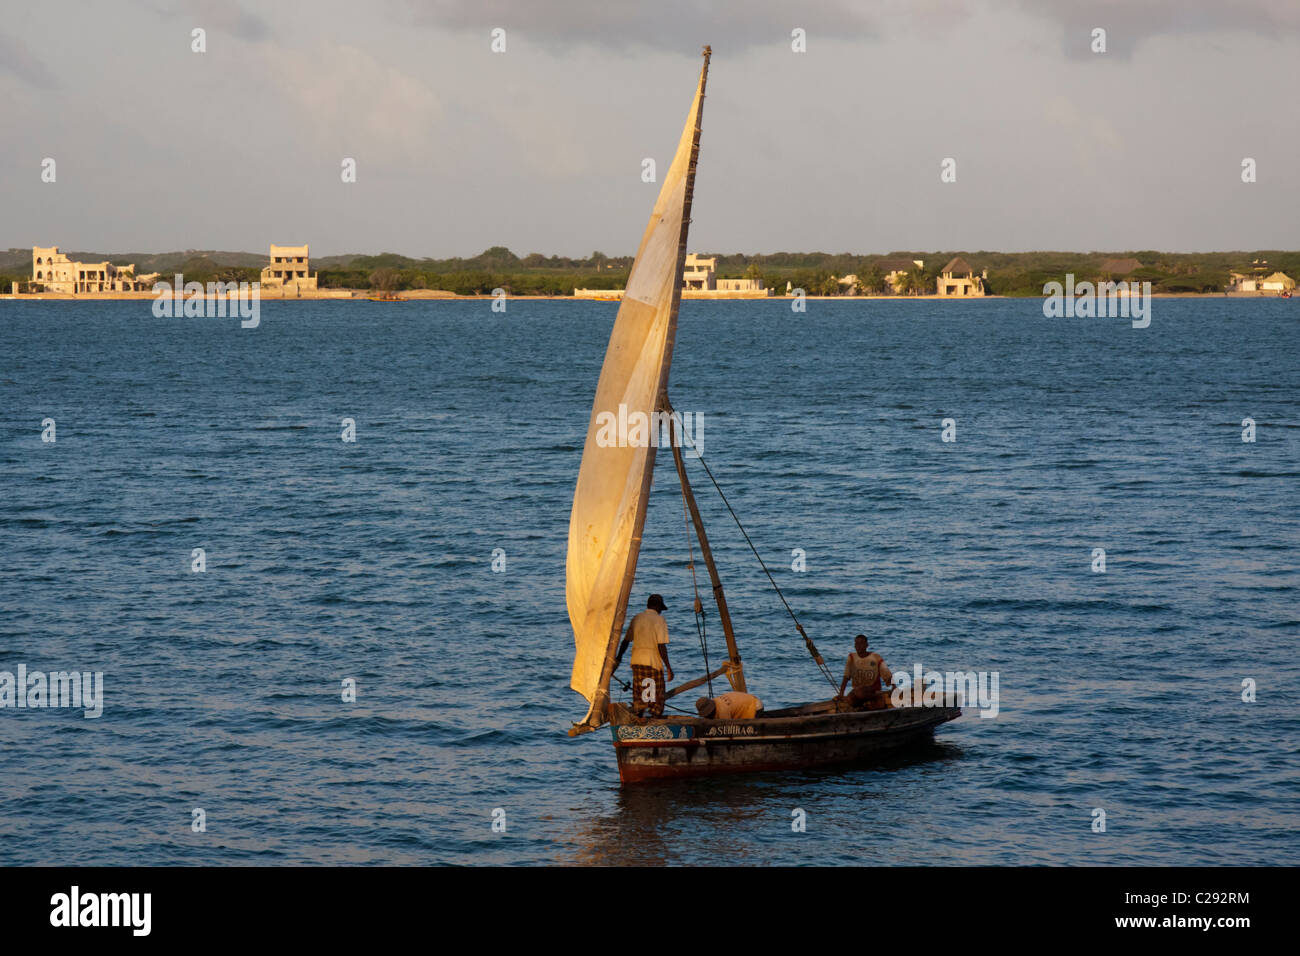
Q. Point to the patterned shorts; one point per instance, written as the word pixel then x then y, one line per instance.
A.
pixel 640 674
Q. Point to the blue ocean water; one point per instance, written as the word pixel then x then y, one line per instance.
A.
pixel 372 560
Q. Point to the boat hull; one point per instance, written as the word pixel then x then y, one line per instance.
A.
pixel 813 735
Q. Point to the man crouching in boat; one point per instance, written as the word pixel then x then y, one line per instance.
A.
pixel 648 635
pixel 733 705
pixel 866 669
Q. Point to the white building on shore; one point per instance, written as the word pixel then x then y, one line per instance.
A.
pixel 959 279
pixel 699 280
pixel 288 273
pixel 699 274
pixel 1274 284
pixel 700 277
pixel 53 271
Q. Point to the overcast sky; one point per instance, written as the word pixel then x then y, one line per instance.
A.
pixel 540 148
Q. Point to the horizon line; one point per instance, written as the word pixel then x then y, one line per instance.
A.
pixel 788 252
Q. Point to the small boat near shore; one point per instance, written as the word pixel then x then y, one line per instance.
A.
pixel 605 530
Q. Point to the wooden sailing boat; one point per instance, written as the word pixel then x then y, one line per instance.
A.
pixel 609 510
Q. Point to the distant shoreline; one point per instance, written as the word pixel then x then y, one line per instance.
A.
pixel 355 295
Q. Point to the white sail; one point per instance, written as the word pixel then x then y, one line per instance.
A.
pixel 609 504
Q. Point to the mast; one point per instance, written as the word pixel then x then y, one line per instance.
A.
pixel 645 286
pixel 735 673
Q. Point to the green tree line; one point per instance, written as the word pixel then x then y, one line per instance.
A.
pixel 817 273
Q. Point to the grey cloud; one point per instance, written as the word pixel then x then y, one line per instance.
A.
pixel 224 17
pixel 460 151
pixel 16 59
pixel 677 25
pixel 1131 22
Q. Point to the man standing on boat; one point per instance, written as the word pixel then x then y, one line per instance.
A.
pixel 648 635
pixel 866 669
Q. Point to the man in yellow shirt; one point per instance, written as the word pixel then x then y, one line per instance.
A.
pixel 733 705
pixel 866 669
pixel 648 635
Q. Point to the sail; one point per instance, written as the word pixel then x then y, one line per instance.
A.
pixel 609 503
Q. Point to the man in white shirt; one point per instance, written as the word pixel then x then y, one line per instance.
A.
pixel 648 635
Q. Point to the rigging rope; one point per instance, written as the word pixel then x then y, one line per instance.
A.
pixel 695 586
pixel 812 648
pixel 628 687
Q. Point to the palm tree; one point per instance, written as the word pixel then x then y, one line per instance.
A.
pixel 870 281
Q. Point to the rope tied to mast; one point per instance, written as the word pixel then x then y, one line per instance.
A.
pixel 808 643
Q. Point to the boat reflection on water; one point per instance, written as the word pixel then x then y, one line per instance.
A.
pixel 678 822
